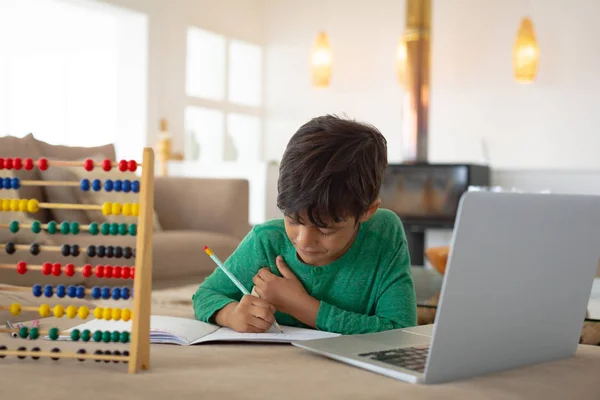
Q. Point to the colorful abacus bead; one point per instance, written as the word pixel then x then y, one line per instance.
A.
pixel 132 165
pixel 61 291
pixel 34 333
pixel 33 206
pixel 34 249
pixel 123 165
pixel 86 271
pixel 22 267
pixel 15 309
pixel 36 290
pixel 85 185
pixel 36 227
pixel 106 165
pixel 42 164
pixel 28 164
pixel 23 332
pixel 126 186
pixel 96 185
pixel 135 186
pixel 118 185
pixel 10 248
pixel 88 164
pixel 70 270
pixel 56 269
pixel 13 226
pixel 51 227
pixel 48 291
pixel 94 228
pixel 65 228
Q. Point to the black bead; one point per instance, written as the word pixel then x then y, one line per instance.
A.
pixel 81 351
pixel 126 354
pixel 10 248
pixel 36 350
pixel 116 353
pixel 118 252
pixel 65 250
pixel 101 251
pixel 91 251
pixel 21 349
pixel 98 353
pixel 2 348
pixel 110 251
pixel 127 253
pixel 75 250
pixel 34 249
pixel 134 252
pixel 55 350
pixel 107 353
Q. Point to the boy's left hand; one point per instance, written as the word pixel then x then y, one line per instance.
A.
pixel 286 293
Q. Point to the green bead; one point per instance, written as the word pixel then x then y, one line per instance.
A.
pixel 75 335
pixel 114 229
pixel 115 336
pixel 97 336
pixel 124 337
pixel 122 229
pixel 105 228
pixel 14 226
pixel 106 337
pixel 52 227
pixel 23 332
pixel 34 333
pixel 53 333
pixel 64 228
pixel 94 228
pixel 133 229
pixel 86 335
pixel 36 227
pixel 74 228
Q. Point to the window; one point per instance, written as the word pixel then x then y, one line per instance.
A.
pixel 83 89
pixel 224 97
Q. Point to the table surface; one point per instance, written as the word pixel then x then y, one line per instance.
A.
pixel 259 371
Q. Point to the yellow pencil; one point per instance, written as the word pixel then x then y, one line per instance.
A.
pixel 231 276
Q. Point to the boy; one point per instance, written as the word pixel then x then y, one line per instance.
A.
pixel 335 262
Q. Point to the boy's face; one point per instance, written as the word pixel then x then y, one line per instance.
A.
pixel 321 246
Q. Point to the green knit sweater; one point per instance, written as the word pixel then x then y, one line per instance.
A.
pixel 368 289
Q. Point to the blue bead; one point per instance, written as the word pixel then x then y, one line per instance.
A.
pixel 135 186
pixel 37 290
pixel 7 183
pixel 71 291
pixel 61 291
pixel 80 292
pixel 15 183
pixel 116 293
pixel 2 184
pixel 125 293
pixel 118 185
pixel 48 292
pixel 126 185
pixel 108 185
pixel 106 293
pixel 85 185
pixel 96 292
pixel 96 185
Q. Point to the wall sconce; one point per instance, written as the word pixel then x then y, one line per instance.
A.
pixel 320 61
pixel 401 57
pixel 526 53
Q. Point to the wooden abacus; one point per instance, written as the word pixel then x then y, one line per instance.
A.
pixel 138 356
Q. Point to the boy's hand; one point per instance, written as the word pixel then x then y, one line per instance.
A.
pixel 251 314
pixel 286 293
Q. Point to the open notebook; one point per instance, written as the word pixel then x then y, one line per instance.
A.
pixel 185 332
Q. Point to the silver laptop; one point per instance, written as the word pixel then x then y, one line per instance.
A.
pixel 515 293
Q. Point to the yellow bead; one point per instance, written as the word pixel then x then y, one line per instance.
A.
pixel 98 311
pixel 23 205
pixel 127 209
pixel 107 313
pixel 58 311
pixel 126 314
pixel 106 208
pixel 135 209
pixel 116 209
pixel 5 204
pixel 83 312
pixel 15 309
pixel 116 314
pixel 33 205
pixel 44 310
pixel 14 205
pixel 71 311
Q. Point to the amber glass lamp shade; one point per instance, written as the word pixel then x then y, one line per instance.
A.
pixel 526 53
pixel 321 61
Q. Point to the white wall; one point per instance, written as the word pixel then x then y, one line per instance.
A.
pixel 363 36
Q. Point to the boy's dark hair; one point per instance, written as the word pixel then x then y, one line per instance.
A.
pixel 332 168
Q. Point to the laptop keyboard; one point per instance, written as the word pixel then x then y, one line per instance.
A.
pixel 412 358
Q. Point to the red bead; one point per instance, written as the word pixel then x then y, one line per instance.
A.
pixel 125 273
pixel 99 271
pixel 43 163
pixel 28 164
pixel 22 267
pixel 46 268
pixel 86 270
pixel 56 271
pixel 132 165
pixel 108 271
pixel 107 165
pixel 17 163
pixel 69 270
pixel 132 275
pixel 1 162
pixel 88 164
pixel 123 165
pixel 8 163
pixel 117 272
